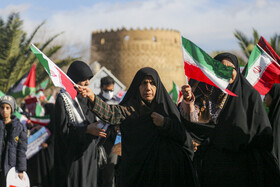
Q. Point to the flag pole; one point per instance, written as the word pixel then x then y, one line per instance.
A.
pixel 183 60
pixel 55 65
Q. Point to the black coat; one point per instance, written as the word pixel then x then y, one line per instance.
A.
pixel 274 118
pixel 151 155
pixel 75 158
pixel 236 149
pixel 41 166
pixel 16 146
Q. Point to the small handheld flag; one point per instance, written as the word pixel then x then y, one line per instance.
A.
pixel 58 77
pixel 201 67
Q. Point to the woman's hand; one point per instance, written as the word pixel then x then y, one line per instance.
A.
pixel 195 145
pixel 44 145
pixel 157 119
pixel 20 175
pixel 187 92
pixel 85 91
pixel 95 131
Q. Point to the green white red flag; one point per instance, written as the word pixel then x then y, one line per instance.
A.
pixel 262 70
pixel 40 120
pixel 202 67
pixel 175 93
pixel 267 48
pixel 25 86
pixel 58 77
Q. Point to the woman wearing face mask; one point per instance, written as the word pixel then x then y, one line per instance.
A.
pixel 234 133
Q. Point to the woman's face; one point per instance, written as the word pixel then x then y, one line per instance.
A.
pixel 148 89
pixel 268 100
pixel 227 62
pixel 83 83
pixel 5 110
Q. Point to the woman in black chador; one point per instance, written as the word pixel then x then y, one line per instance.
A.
pixel 75 162
pixel 154 152
pixel 272 100
pixel 235 135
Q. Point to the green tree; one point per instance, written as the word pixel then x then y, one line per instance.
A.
pixel 247 44
pixel 16 57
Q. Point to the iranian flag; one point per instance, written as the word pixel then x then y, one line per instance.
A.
pixel 267 48
pixel 175 93
pixel 58 77
pixel 40 120
pixel 202 67
pixel 262 70
pixel 25 86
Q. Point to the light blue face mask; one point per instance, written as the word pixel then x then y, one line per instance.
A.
pixel 108 94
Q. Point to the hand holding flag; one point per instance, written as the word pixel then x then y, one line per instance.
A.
pixel 201 67
pixel 58 77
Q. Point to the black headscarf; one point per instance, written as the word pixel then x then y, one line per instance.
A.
pixel 274 109
pixel 274 118
pixel 151 155
pixel 162 101
pixel 243 120
pixel 237 150
pixel 79 71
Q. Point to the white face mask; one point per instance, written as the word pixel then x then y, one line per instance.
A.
pixel 108 94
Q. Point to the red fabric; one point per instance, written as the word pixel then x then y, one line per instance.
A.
pixel 268 78
pixel 31 78
pixel 194 72
pixel 267 48
pixel 68 85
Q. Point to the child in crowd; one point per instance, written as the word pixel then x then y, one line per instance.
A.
pixel 13 140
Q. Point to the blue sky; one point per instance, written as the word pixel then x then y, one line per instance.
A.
pixel 208 23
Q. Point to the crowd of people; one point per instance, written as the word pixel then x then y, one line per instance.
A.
pixel 209 139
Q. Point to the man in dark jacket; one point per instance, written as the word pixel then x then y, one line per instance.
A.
pixel 13 140
pixel 106 171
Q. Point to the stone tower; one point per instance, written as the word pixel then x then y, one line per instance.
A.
pixel 124 52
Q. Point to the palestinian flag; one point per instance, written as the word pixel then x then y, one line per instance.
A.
pixel 267 48
pixel 58 77
pixel 201 67
pixel 40 120
pixel 25 86
pixel 175 93
pixel 262 70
